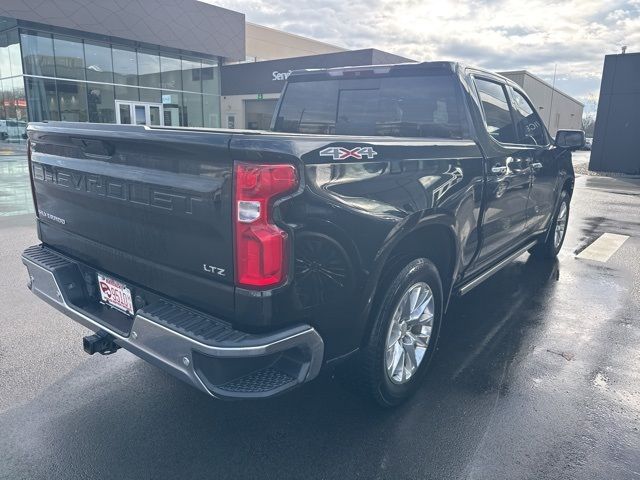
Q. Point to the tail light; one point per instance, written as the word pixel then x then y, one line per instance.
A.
pixel 261 247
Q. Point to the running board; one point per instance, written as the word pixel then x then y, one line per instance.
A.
pixel 467 287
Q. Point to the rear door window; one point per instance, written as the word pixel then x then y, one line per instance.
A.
pixel 426 106
pixel 497 114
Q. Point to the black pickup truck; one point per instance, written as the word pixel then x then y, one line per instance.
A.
pixel 245 262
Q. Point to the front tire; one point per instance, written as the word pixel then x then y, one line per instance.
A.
pixel 404 334
pixel 550 248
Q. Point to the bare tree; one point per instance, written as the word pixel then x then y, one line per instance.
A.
pixel 589 117
pixel 588 124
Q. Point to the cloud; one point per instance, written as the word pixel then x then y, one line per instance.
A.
pixel 536 35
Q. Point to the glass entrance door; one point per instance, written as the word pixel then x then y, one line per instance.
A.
pixel 139 113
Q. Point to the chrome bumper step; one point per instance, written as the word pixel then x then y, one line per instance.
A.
pixel 202 350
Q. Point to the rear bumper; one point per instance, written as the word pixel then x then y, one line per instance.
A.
pixel 197 348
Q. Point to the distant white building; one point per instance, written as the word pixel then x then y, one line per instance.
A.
pixel 265 43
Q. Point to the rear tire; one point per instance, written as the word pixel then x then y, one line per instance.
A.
pixel 550 248
pixel 403 337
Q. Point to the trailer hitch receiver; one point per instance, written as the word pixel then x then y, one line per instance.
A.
pixel 101 342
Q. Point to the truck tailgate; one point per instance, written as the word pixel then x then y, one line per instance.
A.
pixel 149 206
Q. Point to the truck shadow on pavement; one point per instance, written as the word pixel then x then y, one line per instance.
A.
pixel 139 422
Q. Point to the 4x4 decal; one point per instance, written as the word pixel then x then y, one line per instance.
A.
pixel 341 153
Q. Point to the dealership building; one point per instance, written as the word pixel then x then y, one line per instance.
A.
pixel 110 61
pixel 172 63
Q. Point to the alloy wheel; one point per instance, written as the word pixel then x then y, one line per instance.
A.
pixel 409 333
pixel 561 225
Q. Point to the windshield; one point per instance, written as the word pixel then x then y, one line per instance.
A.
pixel 426 106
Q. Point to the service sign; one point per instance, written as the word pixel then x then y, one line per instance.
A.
pixel 280 76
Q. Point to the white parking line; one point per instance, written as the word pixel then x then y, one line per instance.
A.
pixel 604 247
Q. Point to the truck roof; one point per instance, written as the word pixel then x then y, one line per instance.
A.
pixel 433 66
pixel 385 68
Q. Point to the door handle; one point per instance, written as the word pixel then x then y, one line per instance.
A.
pixel 499 169
pixel 536 165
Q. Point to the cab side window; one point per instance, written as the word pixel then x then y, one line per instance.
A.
pixel 529 127
pixel 496 110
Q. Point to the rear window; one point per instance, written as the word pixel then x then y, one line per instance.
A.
pixel 411 106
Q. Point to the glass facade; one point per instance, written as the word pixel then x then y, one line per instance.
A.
pixel 60 77
pixel 13 114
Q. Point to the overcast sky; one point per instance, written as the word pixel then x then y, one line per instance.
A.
pixel 498 35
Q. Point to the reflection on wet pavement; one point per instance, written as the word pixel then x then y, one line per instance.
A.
pixel 15 192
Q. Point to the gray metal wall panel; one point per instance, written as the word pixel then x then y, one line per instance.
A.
pixel 608 74
pixel 615 141
pixel 182 24
pixel 626 74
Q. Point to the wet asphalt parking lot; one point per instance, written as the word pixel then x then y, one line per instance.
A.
pixel 537 376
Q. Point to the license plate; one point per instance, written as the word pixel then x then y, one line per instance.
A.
pixel 115 294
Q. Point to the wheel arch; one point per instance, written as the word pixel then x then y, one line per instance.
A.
pixel 568 185
pixel 433 238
